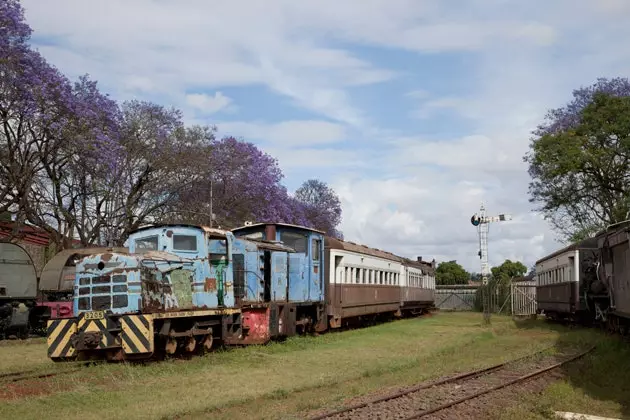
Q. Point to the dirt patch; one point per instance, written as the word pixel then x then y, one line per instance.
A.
pixel 25 389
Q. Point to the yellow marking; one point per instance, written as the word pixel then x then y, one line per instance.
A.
pixel 94 315
pixel 162 315
pixel 57 351
pixel 136 337
pixel 92 326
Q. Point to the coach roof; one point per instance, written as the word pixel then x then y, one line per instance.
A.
pixel 589 243
pixel 333 243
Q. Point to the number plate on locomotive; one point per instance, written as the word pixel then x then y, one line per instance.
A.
pixel 94 315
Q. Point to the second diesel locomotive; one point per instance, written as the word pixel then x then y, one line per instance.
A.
pixel 184 287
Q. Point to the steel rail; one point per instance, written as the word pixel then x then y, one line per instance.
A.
pixel 497 387
pixel 426 385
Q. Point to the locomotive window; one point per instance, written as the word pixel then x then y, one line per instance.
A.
pixel 185 242
pixel 316 247
pixel 256 235
pixel 119 278
pixel 84 280
pixel 84 303
pixel 295 241
pixel 120 288
pixel 120 301
pixel 101 289
pixel 147 244
pixel 3 291
pixel 100 280
pixel 84 291
pixel 100 303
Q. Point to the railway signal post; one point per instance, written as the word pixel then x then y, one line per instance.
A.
pixel 481 221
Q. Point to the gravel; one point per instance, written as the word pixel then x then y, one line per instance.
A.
pixel 425 399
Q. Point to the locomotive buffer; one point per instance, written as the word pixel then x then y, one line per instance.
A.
pixel 482 222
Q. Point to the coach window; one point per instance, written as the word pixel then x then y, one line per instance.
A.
pixel 316 247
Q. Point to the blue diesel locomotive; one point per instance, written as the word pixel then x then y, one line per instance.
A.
pixel 180 288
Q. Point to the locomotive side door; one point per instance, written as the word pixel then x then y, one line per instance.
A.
pixel 317 277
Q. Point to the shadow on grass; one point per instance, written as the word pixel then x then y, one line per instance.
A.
pixel 594 381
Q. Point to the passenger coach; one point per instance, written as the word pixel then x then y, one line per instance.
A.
pixel 561 280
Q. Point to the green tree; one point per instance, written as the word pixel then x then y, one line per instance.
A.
pixel 449 272
pixel 508 270
pixel 580 161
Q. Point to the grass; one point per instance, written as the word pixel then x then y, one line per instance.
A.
pixel 18 355
pixel 597 384
pixel 282 380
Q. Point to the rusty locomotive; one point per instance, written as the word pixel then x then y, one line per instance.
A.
pixel 588 282
pixel 184 288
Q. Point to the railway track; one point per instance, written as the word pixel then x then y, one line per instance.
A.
pixel 434 397
pixel 10 377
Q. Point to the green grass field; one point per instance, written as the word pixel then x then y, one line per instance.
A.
pixel 283 380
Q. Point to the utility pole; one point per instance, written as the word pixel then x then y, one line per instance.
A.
pixel 482 223
pixel 211 214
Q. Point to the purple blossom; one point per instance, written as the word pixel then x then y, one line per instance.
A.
pixel 566 117
pixel 96 121
pixel 321 206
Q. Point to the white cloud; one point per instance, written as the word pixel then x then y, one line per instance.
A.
pixel 208 104
pixel 432 219
pixel 295 133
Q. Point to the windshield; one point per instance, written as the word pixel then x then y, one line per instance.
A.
pixel 149 243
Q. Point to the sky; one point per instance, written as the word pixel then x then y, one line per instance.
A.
pixel 414 111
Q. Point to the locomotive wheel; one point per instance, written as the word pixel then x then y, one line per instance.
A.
pixel 190 344
pixel 171 346
pixel 207 342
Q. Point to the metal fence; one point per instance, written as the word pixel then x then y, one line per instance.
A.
pixel 524 298
pixel 456 297
pixel 509 297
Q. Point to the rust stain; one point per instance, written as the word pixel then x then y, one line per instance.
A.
pixel 211 284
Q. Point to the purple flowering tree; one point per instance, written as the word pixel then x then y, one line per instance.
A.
pixel 47 125
pixel 322 206
pixel 579 160
pixel 161 161
pixel 81 165
pixel 241 183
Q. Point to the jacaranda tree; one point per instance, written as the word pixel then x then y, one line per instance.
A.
pixel 579 160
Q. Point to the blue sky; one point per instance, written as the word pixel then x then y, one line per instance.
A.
pixel 414 111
